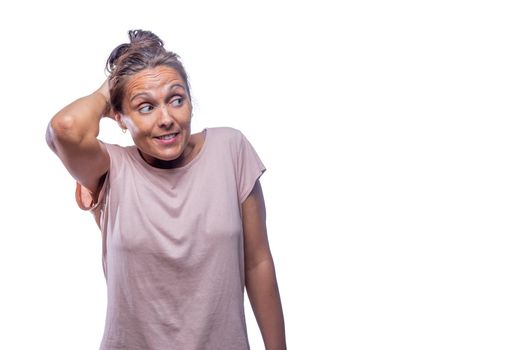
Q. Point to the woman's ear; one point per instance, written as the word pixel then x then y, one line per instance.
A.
pixel 120 121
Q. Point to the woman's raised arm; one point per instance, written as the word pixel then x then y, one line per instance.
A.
pixel 72 135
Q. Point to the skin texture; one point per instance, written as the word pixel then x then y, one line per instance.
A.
pixel 156 103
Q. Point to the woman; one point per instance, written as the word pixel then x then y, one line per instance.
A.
pixel 182 215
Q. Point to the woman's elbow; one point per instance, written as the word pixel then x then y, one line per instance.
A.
pixel 62 129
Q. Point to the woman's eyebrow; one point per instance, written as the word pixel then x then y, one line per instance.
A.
pixel 177 85
pixel 146 94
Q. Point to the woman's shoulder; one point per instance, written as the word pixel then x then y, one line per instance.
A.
pixel 224 131
pixel 119 154
pixel 225 134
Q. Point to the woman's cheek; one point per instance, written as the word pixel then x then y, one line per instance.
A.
pixel 138 127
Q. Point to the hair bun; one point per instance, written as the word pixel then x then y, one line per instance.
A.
pixel 144 38
pixel 138 39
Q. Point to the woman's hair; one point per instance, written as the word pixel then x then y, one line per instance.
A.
pixel 144 50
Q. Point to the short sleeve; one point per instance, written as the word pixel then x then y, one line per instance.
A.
pixel 249 168
pixel 89 201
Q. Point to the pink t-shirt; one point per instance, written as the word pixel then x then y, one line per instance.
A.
pixel 173 253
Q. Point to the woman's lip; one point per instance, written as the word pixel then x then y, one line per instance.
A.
pixel 168 140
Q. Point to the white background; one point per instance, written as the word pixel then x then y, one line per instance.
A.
pixel 393 136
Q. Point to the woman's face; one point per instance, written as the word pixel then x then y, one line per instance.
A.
pixel 157 111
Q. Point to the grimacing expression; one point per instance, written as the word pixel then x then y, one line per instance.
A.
pixel 157 111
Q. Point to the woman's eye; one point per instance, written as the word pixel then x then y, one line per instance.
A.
pixel 145 109
pixel 177 101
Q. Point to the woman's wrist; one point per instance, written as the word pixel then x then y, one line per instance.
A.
pixel 103 91
pixel 104 102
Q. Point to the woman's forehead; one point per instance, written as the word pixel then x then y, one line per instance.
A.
pixel 153 78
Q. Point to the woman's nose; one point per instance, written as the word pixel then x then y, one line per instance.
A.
pixel 165 120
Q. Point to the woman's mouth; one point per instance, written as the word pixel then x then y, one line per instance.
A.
pixel 167 138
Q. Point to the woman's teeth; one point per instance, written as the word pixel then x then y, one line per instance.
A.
pixel 167 137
